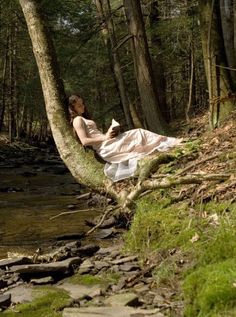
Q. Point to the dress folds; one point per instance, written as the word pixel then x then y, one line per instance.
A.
pixel 123 152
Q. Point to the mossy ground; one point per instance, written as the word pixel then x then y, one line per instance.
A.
pixel 87 279
pixel 194 249
pixel 47 303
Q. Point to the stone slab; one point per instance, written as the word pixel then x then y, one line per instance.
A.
pixel 20 294
pixel 15 261
pixel 124 299
pixel 78 291
pixel 109 312
pixel 60 266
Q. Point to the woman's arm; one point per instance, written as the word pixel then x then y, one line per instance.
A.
pixel 80 129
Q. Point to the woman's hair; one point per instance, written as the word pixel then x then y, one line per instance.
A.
pixel 71 103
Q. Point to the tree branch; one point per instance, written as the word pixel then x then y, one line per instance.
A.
pixel 171 181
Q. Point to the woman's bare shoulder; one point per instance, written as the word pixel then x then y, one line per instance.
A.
pixel 78 120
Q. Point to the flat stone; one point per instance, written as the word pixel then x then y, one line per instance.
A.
pixel 121 284
pixel 85 267
pixel 101 264
pixel 78 291
pixel 120 311
pixel 104 233
pixel 127 267
pixel 5 301
pixel 124 260
pixel 60 266
pixel 108 250
pixel 20 294
pixel 42 281
pixel 88 250
pixel 125 299
pixel 16 261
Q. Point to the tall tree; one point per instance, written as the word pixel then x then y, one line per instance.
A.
pixel 82 165
pixel 143 67
pixel 108 31
pixel 214 53
pixel 157 60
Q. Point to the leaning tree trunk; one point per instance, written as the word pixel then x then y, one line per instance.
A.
pixel 81 164
pixel 144 72
pixel 218 77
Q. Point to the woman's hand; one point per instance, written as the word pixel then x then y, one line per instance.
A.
pixel 110 134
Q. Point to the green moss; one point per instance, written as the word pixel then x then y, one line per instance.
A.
pixel 157 227
pixel 87 279
pixel 218 238
pixel 47 303
pixel 211 290
pixel 190 147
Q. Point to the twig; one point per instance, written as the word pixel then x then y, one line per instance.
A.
pixel 198 163
pixel 102 220
pixel 70 212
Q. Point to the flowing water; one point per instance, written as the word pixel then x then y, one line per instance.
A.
pixel 29 196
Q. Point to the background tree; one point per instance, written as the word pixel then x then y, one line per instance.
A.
pixel 108 33
pixel 215 53
pixel 143 68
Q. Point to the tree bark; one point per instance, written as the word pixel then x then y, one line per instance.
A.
pixel 104 12
pixel 157 61
pixel 3 88
pixel 214 54
pixel 81 164
pixel 144 72
pixel 228 27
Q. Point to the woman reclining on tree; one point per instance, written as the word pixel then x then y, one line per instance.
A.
pixel 120 151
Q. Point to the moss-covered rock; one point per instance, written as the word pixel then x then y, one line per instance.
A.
pixel 47 303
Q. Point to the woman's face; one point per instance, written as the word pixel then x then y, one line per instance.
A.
pixel 79 106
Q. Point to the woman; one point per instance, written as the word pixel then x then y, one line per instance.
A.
pixel 121 152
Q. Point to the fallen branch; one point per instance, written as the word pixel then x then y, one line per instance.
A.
pixel 171 181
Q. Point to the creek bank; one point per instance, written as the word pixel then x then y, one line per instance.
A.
pixel 117 279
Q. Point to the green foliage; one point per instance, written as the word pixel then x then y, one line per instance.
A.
pixel 218 241
pixel 211 290
pixel 156 226
pixel 196 246
pixel 47 304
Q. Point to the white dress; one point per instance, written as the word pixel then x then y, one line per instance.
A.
pixel 123 152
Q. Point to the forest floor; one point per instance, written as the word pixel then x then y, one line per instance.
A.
pixel 186 234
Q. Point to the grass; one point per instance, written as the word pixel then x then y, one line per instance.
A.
pixel 87 279
pixel 206 266
pixel 211 290
pixel 47 303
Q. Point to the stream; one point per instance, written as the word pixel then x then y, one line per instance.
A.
pixel 32 190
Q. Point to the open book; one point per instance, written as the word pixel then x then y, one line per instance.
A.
pixel 115 126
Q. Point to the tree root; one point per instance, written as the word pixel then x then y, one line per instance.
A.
pixel 171 181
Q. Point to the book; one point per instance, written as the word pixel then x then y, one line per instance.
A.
pixel 115 126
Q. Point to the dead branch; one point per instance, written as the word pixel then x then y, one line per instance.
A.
pixel 102 219
pixel 198 163
pixel 170 181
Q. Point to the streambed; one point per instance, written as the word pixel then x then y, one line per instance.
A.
pixel 32 190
